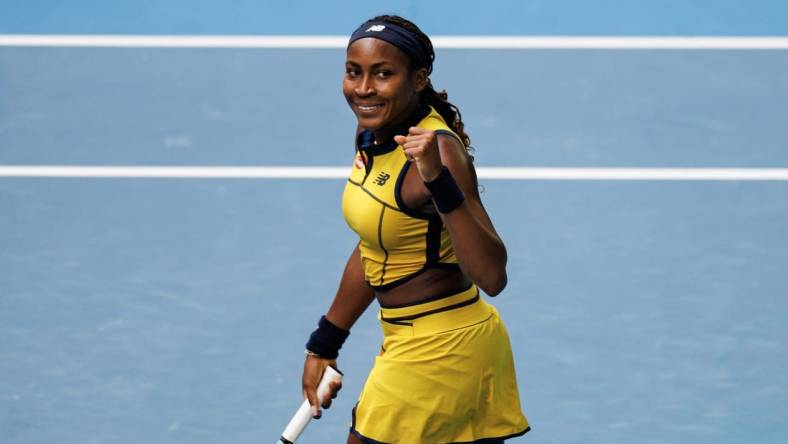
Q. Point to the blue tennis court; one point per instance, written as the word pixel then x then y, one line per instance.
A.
pixel 176 310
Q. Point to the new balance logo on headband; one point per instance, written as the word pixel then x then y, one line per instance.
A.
pixel 376 28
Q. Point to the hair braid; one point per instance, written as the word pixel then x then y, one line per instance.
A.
pixel 429 96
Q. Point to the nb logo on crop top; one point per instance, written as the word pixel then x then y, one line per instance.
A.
pixel 382 178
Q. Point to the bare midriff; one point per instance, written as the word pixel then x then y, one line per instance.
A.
pixel 424 286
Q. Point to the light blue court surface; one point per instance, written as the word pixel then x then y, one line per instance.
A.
pixel 175 311
pixel 459 17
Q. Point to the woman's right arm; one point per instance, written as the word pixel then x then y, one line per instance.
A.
pixel 353 296
pixel 352 299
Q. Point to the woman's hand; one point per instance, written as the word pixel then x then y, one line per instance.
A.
pixel 313 372
pixel 421 147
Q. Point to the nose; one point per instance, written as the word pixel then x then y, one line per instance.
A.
pixel 365 87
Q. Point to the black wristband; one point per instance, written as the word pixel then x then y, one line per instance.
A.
pixel 445 192
pixel 327 339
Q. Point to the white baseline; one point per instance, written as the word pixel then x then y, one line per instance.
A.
pixel 334 172
pixel 447 42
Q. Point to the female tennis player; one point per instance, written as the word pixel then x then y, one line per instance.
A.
pixel 445 372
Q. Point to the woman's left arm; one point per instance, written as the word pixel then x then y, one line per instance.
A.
pixel 480 251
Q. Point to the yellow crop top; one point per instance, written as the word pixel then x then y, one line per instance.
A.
pixel 397 243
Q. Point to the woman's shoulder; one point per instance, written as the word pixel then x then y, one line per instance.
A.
pixel 435 122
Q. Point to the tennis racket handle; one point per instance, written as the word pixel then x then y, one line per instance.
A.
pixel 304 413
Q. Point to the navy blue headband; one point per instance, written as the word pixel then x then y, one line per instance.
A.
pixel 398 36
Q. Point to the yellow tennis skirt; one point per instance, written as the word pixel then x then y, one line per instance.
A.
pixel 445 374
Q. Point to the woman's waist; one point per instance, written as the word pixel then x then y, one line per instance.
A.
pixel 435 314
pixel 426 284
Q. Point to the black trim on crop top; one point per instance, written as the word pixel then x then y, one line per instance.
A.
pixel 401 202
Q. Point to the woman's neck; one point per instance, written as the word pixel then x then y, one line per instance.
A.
pixel 385 134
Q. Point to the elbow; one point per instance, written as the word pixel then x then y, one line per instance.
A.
pixel 497 277
pixel 495 284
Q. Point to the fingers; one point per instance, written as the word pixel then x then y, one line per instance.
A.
pixel 417 143
pixel 310 393
pixel 311 396
pixel 415 134
pixel 313 371
pixel 415 130
pixel 333 388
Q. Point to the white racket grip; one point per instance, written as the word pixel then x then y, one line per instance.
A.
pixel 304 413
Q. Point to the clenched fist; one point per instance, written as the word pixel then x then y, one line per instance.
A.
pixel 421 148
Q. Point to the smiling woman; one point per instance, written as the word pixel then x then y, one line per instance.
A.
pixel 426 246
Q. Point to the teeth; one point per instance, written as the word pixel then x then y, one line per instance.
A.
pixel 368 108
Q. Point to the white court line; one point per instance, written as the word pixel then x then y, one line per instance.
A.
pixel 452 42
pixel 327 172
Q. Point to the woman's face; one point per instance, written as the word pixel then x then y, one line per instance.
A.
pixel 379 85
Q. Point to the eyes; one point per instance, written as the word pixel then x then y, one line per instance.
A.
pixel 353 72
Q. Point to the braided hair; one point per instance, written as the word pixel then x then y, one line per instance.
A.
pixel 429 96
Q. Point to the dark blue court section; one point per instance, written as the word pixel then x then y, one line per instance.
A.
pixel 285 107
pixel 462 17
